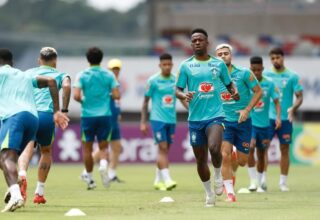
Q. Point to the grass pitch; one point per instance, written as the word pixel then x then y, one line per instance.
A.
pixel 136 198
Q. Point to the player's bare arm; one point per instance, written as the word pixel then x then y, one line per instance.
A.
pixel 66 92
pixel 184 96
pixel 233 90
pixel 296 105
pixel 278 109
pixel 144 115
pixel 115 94
pixel 257 94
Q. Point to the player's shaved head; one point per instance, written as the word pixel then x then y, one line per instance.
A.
pixel 6 57
pixel 48 54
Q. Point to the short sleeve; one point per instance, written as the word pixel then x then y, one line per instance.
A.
pixel 224 76
pixel 297 84
pixel 149 88
pixel 250 80
pixel 182 77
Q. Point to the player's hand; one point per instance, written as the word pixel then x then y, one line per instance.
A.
pixel 243 115
pixel 235 94
pixel 189 96
pixel 144 128
pixel 278 123
pixel 290 114
pixel 61 120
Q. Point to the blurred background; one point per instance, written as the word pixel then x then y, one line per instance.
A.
pixel 138 31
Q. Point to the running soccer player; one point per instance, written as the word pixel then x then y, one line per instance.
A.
pixel 46 130
pixel 160 89
pixel 20 120
pixel 288 83
pixel 237 122
pixel 202 75
pixel 260 138
pixel 92 89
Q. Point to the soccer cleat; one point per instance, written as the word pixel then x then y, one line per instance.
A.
pixel 253 186
pixel 284 188
pixel 104 177
pixel 160 186
pixel 7 197
pixel 91 184
pixel 218 186
pixel 39 199
pixel 170 184
pixel 116 180
pixel 23 187
pixel 231 197
pixel 260 190
pixel 210 200
pixel 84 177
pixel 264 186
pixel 13 204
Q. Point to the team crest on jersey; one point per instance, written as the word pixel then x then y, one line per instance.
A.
pixel 206 87
pixel 214 72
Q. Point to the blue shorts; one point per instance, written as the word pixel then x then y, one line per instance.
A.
pixel 115 131
pixel 163 132
pixel 284 133
pixel 17 131
pixel 239 135
pixel 198 130
pixel 45 133
pixel 92 127
pixel 261 136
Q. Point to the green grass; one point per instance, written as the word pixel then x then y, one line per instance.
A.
pixel 136 198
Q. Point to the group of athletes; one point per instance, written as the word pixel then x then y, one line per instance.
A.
pixel 229 107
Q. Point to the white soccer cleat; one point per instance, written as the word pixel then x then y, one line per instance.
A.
pixel 13 204
pixel 260 190
pixel 218 186
pixel 210 200
pixel 104 177
pixel 84 177
pixel 264 186
pixel 284 188
pixel 91 184
pixel 253 186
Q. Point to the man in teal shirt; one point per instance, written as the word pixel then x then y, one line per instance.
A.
pixel 261 125
pixel 237 123
pixel 92 89
pixel 161 90
pixel 46 130
pixel 289 84
pixel 202 75
pixel 19 120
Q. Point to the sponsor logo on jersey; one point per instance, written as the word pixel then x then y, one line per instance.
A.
pixel 206 87
pixel 167 100
pixel 226 96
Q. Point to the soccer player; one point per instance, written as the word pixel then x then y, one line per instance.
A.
pixel 202 75
pixel 46 130
pixel 92 89
pixel 237 122
pixel 260 138
pixel 289 85
pixel 160 89
pixel 115 66
pixel 20 119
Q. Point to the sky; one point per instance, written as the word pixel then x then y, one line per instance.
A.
pixel 119 5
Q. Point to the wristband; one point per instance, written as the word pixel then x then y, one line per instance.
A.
pixel 64 110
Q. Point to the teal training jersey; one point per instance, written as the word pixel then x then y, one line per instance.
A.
pixel 288 83
pixel 42 97
pixel 16 92
pixel 260 113
pixel 245 82
pixel 161 90
pixel 204 78
pixel 96 85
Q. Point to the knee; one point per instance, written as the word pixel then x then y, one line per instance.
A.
pixel 215 149
pixel 284 149
pixel 46 150
pixel 242 161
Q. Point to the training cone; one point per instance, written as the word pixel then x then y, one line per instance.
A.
pixel 75 212
pixel 244 191
pixel 166 199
